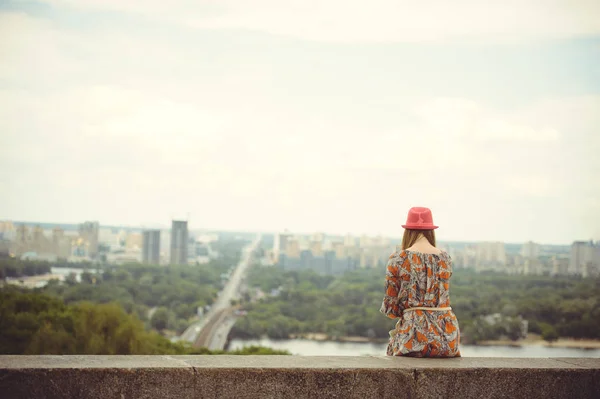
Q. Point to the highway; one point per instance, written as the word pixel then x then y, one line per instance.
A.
pixel 211 331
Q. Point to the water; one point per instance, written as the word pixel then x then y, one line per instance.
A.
pixel 306 347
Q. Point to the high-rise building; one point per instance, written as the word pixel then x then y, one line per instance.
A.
pixel 318 237
pixel 151 247
pixel 88 232
pixel 364 241
pixel 316 248
pixel 490 256
pixel 179 242
pixel 40 243
pixel 61 243
pixel 134 241
pixel 7 230
pixel 560 266
pixel 530 250
pixel 293 248
pixel 23 235
pixel 340 250
pixel 280 245
pixel 23 240
pixel 349 241
pixel 585 258
pixel 533 266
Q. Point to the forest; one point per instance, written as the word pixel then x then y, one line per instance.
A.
pixel 129 309
pixel 134 309
pixel 33 323
pixel 172 295
pixel 488 305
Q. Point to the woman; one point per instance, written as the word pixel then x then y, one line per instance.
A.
pixel 416 292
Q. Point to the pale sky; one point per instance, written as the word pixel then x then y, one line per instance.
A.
pixel 332 116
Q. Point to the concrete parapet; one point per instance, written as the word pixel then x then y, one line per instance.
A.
pixel 295 377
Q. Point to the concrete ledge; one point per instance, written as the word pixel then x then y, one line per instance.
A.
pixel 295 377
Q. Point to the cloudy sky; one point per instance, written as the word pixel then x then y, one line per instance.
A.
pixel 332 116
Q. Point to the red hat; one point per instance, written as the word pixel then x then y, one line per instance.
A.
pixel 419 218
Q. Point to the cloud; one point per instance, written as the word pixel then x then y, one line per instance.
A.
pixel 536 186
pixel 464 118
pixel 381 21
pixel 129 125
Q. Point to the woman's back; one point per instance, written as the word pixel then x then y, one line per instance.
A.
pixel 417 291
pixel 425 278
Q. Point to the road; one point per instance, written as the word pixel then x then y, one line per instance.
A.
pixel 218 340
pixel 206 331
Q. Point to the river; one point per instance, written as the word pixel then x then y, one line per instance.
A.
pixel 305 347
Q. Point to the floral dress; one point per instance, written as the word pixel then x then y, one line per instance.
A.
pixel 415 279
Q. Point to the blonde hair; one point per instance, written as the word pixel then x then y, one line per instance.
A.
pixel 411 236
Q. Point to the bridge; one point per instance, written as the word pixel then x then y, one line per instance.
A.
pixel 214 334
pixel 212 331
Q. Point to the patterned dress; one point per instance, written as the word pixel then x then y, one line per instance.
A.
pixel 414 279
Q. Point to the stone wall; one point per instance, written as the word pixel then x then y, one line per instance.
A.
pixel 179 377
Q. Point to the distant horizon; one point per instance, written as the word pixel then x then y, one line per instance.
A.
pixel 299 233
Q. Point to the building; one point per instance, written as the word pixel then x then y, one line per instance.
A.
pixel 530 250
pixel 364 241
pixel 23 239
pixel 7 231
pixel 329 255
pixel 349 241
pixel 340 250
pixel 318 237
pixel 134 240
pixel 200 252
pixel 560 266
pixel 151 247
pixel 316 247
pixel 280 245
pixel 372 258
pixel 533 266
pixel 31 240
pixel 293 248
pixel 4 248
pixel 465 257
pixel 328 263
pixel 490 256
pixel 585 259
pixel 179 242
pixel 124 256
pixel 88 232
pixel 61 243
pixel 40 243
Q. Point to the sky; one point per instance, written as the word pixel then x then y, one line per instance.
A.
pixel 333 116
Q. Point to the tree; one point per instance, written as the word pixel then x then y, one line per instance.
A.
pixel 549 333
pixel 513 328
pixel 160 318
pixel 87 277
pixel 71 279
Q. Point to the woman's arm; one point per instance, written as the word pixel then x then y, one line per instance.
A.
pixel 391 305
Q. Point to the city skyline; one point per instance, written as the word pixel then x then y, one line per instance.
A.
pixel 326 253
pixel 167 227
pixel 337 117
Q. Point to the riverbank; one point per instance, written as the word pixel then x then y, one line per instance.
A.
pixel 321 337
pixel 532 339
pixel 305 347
pixel 560 343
